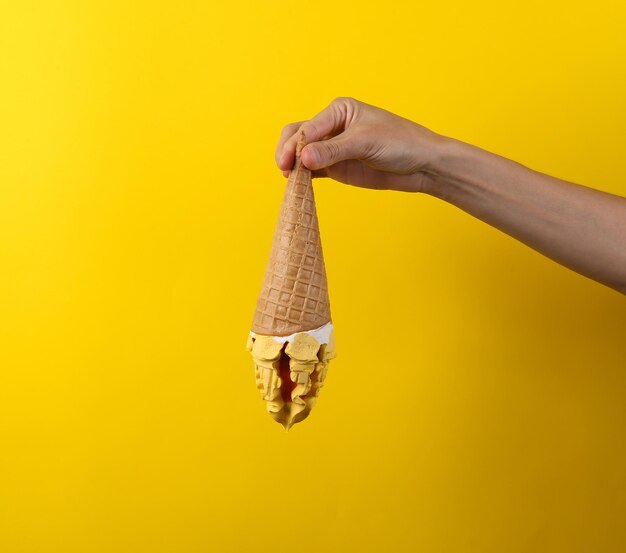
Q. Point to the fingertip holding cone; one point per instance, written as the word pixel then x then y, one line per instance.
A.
pixel 292 338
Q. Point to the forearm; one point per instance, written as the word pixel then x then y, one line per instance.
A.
pixel 579 227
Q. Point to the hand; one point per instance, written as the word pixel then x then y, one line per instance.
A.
pixel 355 143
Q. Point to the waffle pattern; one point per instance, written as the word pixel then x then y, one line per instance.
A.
pixel 294 295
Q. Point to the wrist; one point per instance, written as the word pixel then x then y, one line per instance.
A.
pixel 448 163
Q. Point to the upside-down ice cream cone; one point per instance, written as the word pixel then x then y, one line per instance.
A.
pixel 292 334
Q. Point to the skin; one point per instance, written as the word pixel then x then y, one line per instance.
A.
pixel 355 143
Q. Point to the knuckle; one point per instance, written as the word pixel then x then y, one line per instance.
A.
pixel 338 103
pixel 346 100
pixel 289 127
pixel 310 131
pixel 332 148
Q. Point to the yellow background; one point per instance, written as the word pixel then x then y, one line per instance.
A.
pixel 478 402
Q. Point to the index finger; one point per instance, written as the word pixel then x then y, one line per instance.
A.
pixel 287 132
pixel 327 123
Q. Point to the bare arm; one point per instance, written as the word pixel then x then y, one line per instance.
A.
pixel 581 228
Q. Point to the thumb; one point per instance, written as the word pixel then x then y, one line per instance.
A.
pixel 322 154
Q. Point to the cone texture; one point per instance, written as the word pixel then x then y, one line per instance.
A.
pixel 294 295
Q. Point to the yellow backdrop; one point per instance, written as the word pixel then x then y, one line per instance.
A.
pixel 478 401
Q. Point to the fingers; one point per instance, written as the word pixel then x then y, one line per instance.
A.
pixel 328 122
pixel 319 155
pixel 331 121
pixel 287 132
pixel 325 153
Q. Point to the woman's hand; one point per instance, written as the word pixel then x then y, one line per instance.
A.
pixel 355 143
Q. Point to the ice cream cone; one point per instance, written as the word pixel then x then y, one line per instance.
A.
pixel 292 336
pixel 294 294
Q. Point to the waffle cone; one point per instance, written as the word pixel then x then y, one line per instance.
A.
pixel 294 295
